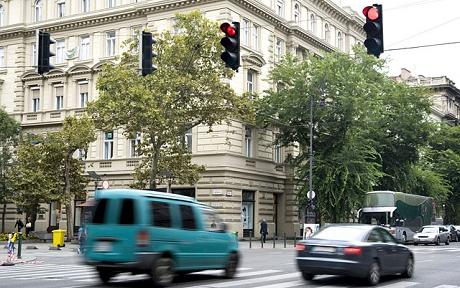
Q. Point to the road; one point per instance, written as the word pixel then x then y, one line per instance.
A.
pixel 436 267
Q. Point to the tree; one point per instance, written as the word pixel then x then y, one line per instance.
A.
pixel 9 139
pixel 47 170
pixel 186 91
pixel 359 117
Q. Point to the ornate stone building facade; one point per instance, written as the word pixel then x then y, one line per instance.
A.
pixel 245 181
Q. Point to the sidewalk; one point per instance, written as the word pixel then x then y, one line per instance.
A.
pixel 29 250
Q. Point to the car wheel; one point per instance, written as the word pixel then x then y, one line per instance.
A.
pixel 415 244
pixel 373 276
pixel 163 272
pixel 105 275
pixel 230 267
pixel 448 241
pixel 308 276
pixel 438 241
pixel 409 270
pixel 456 238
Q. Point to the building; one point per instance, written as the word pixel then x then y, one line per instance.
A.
pixel 443 92
pixel 245 181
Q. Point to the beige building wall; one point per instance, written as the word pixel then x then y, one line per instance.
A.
pixel 232 179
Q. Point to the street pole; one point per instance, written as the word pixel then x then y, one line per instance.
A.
pixel 310 178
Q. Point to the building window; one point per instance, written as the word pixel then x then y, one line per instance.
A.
pixel 35 99
pixel 255 37
pixel 177 30
pixel 2 58
pixel 59 93
pixel 34 55
pixel 326 32
pixel 277 154
pixel 82 94
pixel 296 14
pixel 85 5
pixel 245 32
pixel 84 48
pixel 312 24
pixel 110 43
pixel 60 9
pixel 339 41
pixel 60 51
pixel 278 50
pixel 279 8
pixel 2 15
pixel 108 145
pixel 38 10
pixel 134 145
pixel 250 81
pixel 111 3
pixel 248 141
pixel 188 140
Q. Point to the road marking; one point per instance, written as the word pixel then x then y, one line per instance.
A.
pixel 251 281
pixel 401 284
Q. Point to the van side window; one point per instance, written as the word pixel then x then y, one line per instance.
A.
pixel 99 213
pixel 161 215
pixel 127 212
pixel 188 219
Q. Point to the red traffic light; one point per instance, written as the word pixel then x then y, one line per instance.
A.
pixel 228 29
pixel 371 13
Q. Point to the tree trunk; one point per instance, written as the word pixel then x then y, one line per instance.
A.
pixel 69 200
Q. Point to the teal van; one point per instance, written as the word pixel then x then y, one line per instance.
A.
pixel 156 233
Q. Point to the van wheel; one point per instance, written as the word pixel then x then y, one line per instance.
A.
pixel 163 272
pixel 230 267
pixel 105 275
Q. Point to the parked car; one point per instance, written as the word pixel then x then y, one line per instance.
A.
pixel 159 234
pixel 358 250
pixel 454 233
pixel 432 234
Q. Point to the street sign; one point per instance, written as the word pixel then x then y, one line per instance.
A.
pixel 311 194
pixel 105 184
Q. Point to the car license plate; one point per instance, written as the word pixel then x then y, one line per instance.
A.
pixel 327 249
pixel 102 246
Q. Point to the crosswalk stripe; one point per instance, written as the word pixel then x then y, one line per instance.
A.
pixel 251 281
pixel 402 284
pixel 287 284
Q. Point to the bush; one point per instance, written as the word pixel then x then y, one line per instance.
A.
pixel 4 237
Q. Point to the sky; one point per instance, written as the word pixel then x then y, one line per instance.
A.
pixel 414 23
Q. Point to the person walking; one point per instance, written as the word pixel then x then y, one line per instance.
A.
pixel 19 224
pixel 28 226
pixel 263 230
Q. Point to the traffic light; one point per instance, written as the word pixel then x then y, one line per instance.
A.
pixel 374 29
pixel 231 42
pixel 146 54
pixel 43 43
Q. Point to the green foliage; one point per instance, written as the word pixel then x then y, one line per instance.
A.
pixel 10 130
pixel 184 92
pixel 4 237
pixel 367 129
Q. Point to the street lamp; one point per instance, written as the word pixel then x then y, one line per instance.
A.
pixel 170 177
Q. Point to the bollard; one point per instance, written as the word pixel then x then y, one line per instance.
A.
pixel 295 238
pixel 284 238
pixel 274 237
pixel 250 239
pixel 261 241
pixel 19 245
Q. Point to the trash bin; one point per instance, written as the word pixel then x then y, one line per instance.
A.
pixel 58 237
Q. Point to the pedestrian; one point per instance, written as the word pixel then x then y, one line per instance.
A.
pixel 263 230
pixel 28 226
pixel 19 224
pixel 81 238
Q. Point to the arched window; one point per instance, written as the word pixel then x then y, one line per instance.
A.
pixel 38 10
pixel 2 15
pixel 312 23
pixel 339 41
pixel 326 32
pixel 296 14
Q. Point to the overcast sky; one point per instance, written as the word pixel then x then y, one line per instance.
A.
pixel 413 23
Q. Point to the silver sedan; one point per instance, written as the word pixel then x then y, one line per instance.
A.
pixel 432 234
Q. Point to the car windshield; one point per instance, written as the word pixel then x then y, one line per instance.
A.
pixel 429 230
pixel 341 233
